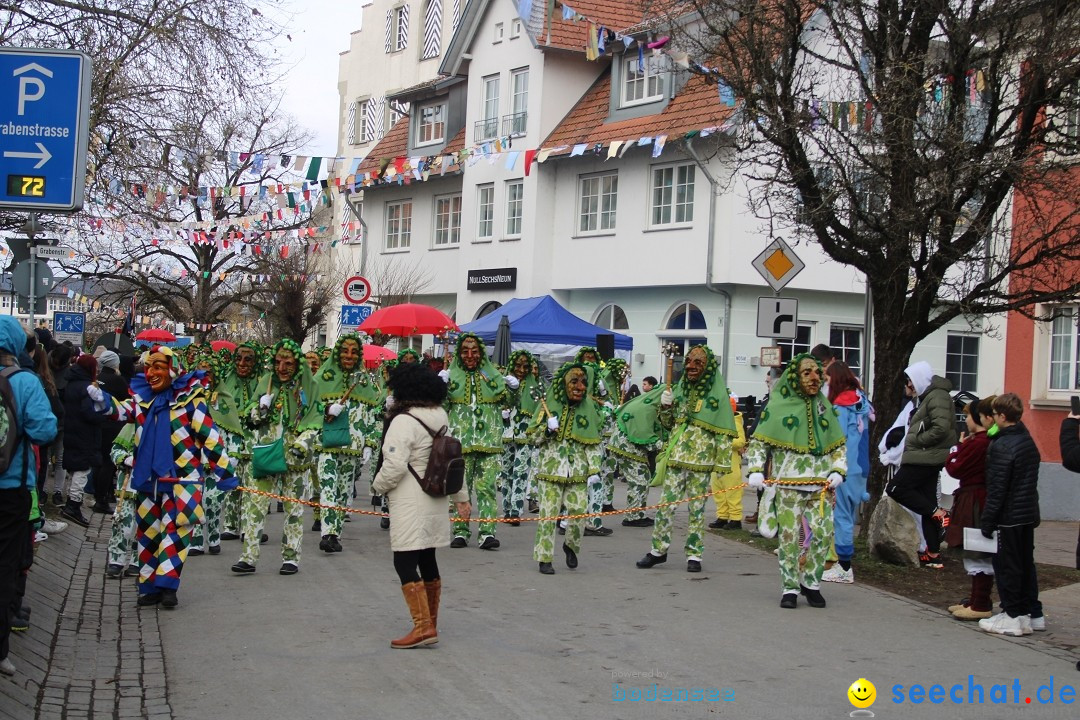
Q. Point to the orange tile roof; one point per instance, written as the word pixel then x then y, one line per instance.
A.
pixel 393 144
pixel 696 106
pixel 570 35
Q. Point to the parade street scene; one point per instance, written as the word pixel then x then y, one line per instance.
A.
pixel 520 359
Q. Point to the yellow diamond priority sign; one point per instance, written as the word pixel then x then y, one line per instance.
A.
pixel 778 264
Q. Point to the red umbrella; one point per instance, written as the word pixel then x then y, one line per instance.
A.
pixel 156 335
pixel 374 354
pixel 227 344
pixel 408 319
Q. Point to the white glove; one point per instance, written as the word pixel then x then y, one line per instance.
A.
pixel 129 461
pixel 834 480
pixel 335 409
pixel 390 402
pixel 367 453
pixel 265 400
pixel 667 398
pixel 553 423
pixel 756 480
pixel 602 388
pixel 95 393
pixel 444 375
pixel 594 479
pixel 512 382
pixel 506 414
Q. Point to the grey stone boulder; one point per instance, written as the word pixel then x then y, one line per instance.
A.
pixel 893 536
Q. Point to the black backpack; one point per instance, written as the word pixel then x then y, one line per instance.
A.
pixel 10 433
pixel 445 473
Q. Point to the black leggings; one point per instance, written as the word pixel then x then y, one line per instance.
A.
pixel 406 563
pixel 915 487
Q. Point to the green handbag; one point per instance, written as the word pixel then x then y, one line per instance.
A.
pixel 269 459
pixel 336 432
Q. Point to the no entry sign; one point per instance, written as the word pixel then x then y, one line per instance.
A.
pixel 357 290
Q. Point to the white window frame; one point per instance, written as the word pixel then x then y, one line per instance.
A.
pixel 519 101
pixel 667 195
pixel 958 384
pixel 401 30
pixel 605 318
pixel 1063 325
pixel 499 32
pixel 598 199
pixel 490 102
pixel 840 350
pixel 637 88
pixel 397 234
pixel 435 125
pixel 793 346
pixel 485 212
pixel 515 208
pixel 447 221
pixel 365 130
pixel 515 29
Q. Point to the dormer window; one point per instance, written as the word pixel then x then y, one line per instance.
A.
pixel 642 80
pixel 431 124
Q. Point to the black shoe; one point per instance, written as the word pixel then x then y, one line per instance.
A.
pixel 651 560
pixel 243 567
pixel 546 569
pixel 316 526
pixel 330 544
pixel 490 543
pixel 264 539
pixel 384 523
pixel 228 535
pixel 131 571
pixel 215 549
pixel 102 507
pixel 607 507
pixel 73 511
pixel 335 544
pixel 534 507
pixel 348 517
pixel 734 525
pixel 718 524
pixel 458 542
pixel 514 523
pixel 571 556
pixel 789 601
pixel 58 498
pixel 147 600
pixel 288 568
pixel 693 566
pixel 168 599
pixel 20 623
pixel 114 571
pixel 195 552
pixel 813 597
pixel 561 530
pixel 280 507
pixel 600 531
pixel 640 522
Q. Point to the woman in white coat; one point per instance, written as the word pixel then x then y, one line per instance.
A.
pixel 419 521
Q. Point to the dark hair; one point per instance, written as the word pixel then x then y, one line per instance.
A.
pixel 1010 405
pixel 841 379
pixel 972 410
pixel 986 409
pixel 822 352
pixel 60 356
pixel 650 379
pixel 41 367
pixel 89 364
pixel 414 385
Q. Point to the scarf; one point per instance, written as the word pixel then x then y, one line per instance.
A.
pixel 154 458
pixel 792 421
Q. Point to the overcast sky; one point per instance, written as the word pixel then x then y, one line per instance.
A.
pixel 320 33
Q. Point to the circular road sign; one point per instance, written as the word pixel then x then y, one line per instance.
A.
pixel 357 290
pixel 42 278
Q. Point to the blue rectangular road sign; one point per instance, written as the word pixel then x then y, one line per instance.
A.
pixel 353 315
pixel 44 123
pixel 74 322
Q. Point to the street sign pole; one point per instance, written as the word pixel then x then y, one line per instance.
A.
pixel 31 232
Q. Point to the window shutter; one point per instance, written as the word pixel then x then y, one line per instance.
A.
pixel 432 29
pixel 403 27
pixel 350 125
pixel 389 29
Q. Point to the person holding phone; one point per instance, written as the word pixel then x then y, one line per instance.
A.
pixel 1069 439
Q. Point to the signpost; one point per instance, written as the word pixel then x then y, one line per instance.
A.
pixel 69 326
pixel 777 317
pixel 50 252
pixel 44 127
pixel 353 315
pixel 357 290
pixel 778 264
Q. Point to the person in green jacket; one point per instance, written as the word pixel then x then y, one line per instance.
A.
pixel 518 450
pixel 236 391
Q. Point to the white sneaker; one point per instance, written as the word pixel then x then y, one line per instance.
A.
pixel 53 527
pixel 1025 624
pixel 1039 624
pixel 40 536
pixel 837 574
pixel 1002 624
pixel 6 667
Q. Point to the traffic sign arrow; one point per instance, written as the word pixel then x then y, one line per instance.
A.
pixel 42 156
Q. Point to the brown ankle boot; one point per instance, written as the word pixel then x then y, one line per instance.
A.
pixel 422 633
pixel 434 592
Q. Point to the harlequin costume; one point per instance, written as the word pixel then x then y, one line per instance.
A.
pixel 342 381
pixel 288 415
pixel 518 451
pixel 638 431
pixel 568 438
pixel 802 434
pixel 702 428
pixel 475 399
pixel 235 394
pixel 176 446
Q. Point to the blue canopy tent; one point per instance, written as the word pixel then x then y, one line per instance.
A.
pixel 547 329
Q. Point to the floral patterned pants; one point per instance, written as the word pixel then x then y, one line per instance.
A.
pixel 122 538
pixel 792 508
pixel 335 477
pixel 516 464
pixel 481 474
pixel 681 483
pixel 572 497
pixel 294 484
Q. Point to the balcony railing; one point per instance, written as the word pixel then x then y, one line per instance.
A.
pixel 485 129
pixel 514 125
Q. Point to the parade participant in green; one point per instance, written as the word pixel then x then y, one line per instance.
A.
pixel 698 414
pixel 121 558
pixel 602 495
pixel 237 391
pixel 476 396
pixel 283 411
pixel 800 431
pixel 207 535
pixel 568 459
pixel 638 431
pixel 408 355
pixel 517 449
pixel 343 388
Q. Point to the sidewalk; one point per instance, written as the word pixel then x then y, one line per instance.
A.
pixel 1055 544
pixel 78 660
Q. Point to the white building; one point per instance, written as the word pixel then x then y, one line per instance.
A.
pixel 651 238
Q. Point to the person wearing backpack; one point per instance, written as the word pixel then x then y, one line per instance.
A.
pixel 25 419
pixel 419 520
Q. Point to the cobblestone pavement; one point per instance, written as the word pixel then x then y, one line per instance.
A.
pixel 90 651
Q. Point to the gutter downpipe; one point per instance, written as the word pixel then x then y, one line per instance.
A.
pixel 710 253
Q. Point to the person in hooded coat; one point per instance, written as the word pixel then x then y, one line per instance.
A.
pixel 82 435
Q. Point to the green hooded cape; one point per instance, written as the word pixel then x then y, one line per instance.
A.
pixel 793 421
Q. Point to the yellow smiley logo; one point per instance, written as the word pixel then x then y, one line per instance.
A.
pixel 862 693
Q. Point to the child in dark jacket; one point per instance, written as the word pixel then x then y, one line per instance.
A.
pixel 1012 510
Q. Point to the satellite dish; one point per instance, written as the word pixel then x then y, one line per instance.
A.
pixel 118 342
